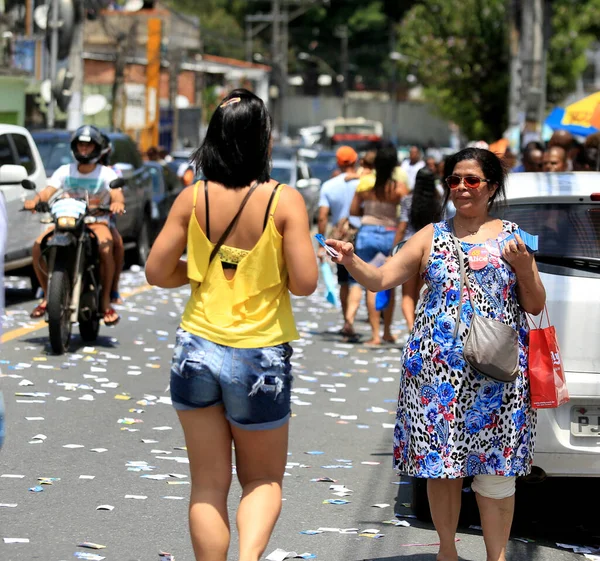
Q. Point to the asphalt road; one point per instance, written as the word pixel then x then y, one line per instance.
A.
pixel 105 422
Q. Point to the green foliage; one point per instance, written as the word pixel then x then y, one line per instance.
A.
pixel 575 26
pixel 459 53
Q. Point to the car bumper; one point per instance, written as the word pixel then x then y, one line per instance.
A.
pixel 558 452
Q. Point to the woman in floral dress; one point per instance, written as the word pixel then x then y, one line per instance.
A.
pixel 452 421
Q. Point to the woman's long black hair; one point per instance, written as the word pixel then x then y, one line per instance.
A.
pixel 426 205
pixel 236 149
pixel 386 160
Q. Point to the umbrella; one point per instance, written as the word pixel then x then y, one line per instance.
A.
pixel 581 118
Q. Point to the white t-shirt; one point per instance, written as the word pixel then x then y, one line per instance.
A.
pixel 76 184
pixel 412 170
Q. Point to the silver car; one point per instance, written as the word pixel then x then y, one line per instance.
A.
pixel 295 173
pixel 563 209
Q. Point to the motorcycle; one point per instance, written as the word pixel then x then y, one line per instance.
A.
pixel 73 258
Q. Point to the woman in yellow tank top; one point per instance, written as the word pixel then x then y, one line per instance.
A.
pixel 248 246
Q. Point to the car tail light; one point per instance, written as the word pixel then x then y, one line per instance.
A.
pixel 595 196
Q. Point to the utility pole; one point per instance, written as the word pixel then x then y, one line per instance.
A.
pixel 29 17
pixel 174 63
pixel 284 70
pixel 54 24
pixel 75 115
pixel 394 86
pixel 533 49
pixel 342 34
pixel 278 112
pixel 514 104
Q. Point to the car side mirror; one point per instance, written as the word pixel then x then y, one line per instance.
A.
pixel 11 174
pixel 125 169
pixel 118 183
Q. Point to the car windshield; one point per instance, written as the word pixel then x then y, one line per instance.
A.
pixel 282 174
pixel 566 231
pixel 54 153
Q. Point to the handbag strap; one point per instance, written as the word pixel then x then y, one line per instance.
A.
pixel 232 223
pixel 463 277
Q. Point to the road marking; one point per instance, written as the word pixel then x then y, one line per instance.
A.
pixel 15 333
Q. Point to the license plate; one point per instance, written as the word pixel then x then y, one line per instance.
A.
pixel 585 421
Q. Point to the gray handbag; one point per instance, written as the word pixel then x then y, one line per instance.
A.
pixel 491 347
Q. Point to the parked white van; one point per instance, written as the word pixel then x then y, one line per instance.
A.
pixel 563 209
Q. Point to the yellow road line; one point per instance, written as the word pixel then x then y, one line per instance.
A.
pixel 15 333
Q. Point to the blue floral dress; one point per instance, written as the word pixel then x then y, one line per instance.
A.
pixel 452 421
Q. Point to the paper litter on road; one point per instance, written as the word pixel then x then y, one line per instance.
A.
pixel 16 540
pixel 8 505
pixel 281 554
pixel 88 556
pixel 138 497
pixel 105 507
pixel 91 545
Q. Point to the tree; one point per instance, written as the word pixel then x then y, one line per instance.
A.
pixel 459 53
pixel 575 26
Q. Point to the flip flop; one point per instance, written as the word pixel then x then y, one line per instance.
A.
pixel 39 311
pixel 111 312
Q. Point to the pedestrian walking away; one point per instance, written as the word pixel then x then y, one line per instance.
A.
pixel 334 207
pixel 421 207
pixel 452 421
pixel 376 200
pixel 231 372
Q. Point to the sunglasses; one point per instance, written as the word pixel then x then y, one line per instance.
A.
pixel 469 181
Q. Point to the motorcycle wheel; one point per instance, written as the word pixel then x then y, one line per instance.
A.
pixel 59 315
pixel 89 321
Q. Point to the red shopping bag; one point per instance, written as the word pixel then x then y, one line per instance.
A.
pixel 546 374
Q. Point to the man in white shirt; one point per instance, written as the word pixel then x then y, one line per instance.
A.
pixel 86 179
pixel 412 165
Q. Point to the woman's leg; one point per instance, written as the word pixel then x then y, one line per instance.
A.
pixel 260 460
pixel 496 500
pixel 119 256
pixel 444 503
pixel 388 317
pixel 355 292
pixel 410 295
pixel 208 441
pixel 374 319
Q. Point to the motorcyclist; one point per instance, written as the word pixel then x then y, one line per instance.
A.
pixel 85 178
pixel 118 247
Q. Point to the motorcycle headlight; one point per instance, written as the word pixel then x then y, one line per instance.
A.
pixel 67 222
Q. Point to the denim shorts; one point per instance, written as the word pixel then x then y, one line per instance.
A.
pixel 372 240
pixel 253 385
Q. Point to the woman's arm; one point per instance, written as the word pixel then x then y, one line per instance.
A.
pixel 298 250
pixel 164 267
pixel 356 205
pixel 397 270
pixel 530 290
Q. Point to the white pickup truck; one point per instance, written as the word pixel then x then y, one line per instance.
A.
pixel 19 159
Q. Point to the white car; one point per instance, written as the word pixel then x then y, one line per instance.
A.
pixel 296 173
pixel 20 159
pixel 563 209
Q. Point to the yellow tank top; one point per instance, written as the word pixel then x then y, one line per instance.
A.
pixel 251 310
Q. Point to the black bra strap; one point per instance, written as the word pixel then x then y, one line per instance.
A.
pixel 269 206
pixel 206 209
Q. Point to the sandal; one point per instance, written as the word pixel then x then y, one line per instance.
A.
pixel 108 313
pixel 39 311
pixel 115 297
